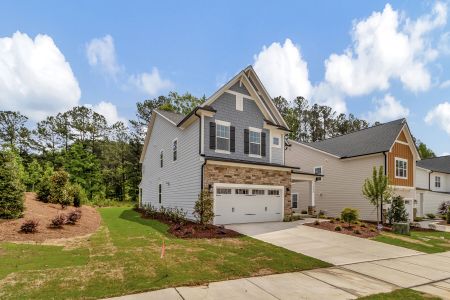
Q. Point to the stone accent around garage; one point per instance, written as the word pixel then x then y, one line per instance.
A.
pixel 242 175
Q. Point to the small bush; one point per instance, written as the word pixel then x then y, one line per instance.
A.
pixel 77 194
pixel 358 223
pixel 58 221
pixel 304 212
pixel 444 208
pixel 338 219
pixel 316 222
pixel 73 217
pixel 363 225
pixel 349 215
pixel 338 228
pixel 356 231
pixel 332 221
pixel 418 219
pixel 60 190
pixel 430 216
pixel 29 226
pixel 203 209
pixel 373 230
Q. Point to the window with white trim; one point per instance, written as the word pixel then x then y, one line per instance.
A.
pixel 318 171
pixel 255 142
pixel 222 137
pixel 175 149
pixel 401 168
pixel 160 193
pixel 161 158
pixel 294 200
pixel 258 192
pixel 223 191
pixel 437 181
pixel 273 192
pixel 276 141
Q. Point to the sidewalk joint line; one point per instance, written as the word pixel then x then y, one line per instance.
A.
pixel 248 279
pixel 176 289
pixel 339 288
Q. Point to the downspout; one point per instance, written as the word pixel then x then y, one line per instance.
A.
pixel 200 150
pixel 385 174
pixel 429 180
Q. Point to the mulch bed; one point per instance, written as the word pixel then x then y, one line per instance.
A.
pixel 365 232
pixel 191 230
pixel 444 222
pixel 44 213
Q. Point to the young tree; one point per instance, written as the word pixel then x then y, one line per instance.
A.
pixel 60 189
pixel 349 215
pixel 11 187
pixel 203 209
pixel 377 189
pixel 43 187
pixel 397 211
pixel 34 173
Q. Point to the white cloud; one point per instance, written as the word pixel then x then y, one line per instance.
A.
pixel 387 109
pixel 108 110
pixel 150 83
pixel 102 53
pixel 445 154
pixel 385 47
pixel 324 94
pixel 445 84
pixel 283 70
pixel 440 115
pixel 35 77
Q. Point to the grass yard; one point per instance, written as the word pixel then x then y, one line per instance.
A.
pixel 401 294
pixel 424 241
pixel 123 257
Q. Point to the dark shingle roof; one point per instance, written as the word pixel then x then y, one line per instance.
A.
pixel 437 164
pixel 172 116
pixel 371 140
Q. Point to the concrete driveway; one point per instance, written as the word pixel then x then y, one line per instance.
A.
pixel 335 248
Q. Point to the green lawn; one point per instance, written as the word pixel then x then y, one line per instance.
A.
pixel 428 242
pixel 123 257
pixel 403 294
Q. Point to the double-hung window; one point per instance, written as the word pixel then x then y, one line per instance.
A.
pixel 255 142
pixel 161 158
pixel 294 200
pixel 175 149
pixel 160 193
pixel 222 136
pixel 437 181
pixel 318 171
pixel 401 168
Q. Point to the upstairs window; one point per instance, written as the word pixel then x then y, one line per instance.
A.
pixel 161 158
pixel 255 142
pixel 175 149
pixel 318 171
pixel 401 168
pixel 160 193
pixel 437 181
pixel 276 142
pixel 222 137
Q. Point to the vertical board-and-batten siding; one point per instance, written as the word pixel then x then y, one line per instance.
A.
pixel 401 151
pixel 342 185
pixel 180 179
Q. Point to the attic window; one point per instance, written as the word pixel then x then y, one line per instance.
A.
pixel 239 102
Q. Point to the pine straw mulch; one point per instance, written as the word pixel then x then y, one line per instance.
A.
pixel 365 231
pixel 44 213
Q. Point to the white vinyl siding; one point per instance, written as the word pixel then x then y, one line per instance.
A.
pixel 437 182
pixel 318 171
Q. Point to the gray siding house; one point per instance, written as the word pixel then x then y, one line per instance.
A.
pixel 233 146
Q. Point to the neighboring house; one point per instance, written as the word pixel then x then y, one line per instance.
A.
pixel 433 184
pixel 347 160
pixel 233 146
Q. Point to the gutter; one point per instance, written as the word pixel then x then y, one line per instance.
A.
pixel 385 174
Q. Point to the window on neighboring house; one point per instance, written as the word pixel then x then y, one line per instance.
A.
pixel 255 142
pixel 273 192
pixel 241 192
pixel 258 192
pixel 161 158
pixel 222 137
pixel 437 181
pixel 294 200
pixel 401 168
pixel 175 149
pixel 318 171
pixel 223 191
pixel 160 193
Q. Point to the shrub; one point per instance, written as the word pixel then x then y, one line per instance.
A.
pixel 430 216
pixel 338 228
pixel 73 217
pixel 43 186
pixel 358 223
pixel 363 225
pixel 401 228
pixel 304 212
pixel 149 211
pixel 397 211
pixel 418 219
pixel 11 187
pixel 331 221
pixel 58 221
pixel 60 189
pixel 444 208
pixel 77 194
pixel 448 216
pixel 29 226
pixel 349 215
pixel 356 231
pixel 316 222
pixel 203 209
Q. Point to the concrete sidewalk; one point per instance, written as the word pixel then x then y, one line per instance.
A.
pixel 428 273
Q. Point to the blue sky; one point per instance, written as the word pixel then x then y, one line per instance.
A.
pixel 379 60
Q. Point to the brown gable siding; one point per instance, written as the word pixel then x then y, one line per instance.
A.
pixel 402 137
pixel 400 151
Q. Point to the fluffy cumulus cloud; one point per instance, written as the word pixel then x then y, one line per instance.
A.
pixel 108 110
pixel 387 109
pixel 440 115
pixel 101 53
pixel 283 70
pixel 386 46
pixel 150 83
pixel 35 77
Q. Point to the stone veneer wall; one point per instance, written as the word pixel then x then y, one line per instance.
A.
pixel 241 175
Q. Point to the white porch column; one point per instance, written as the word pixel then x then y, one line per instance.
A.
pixel 313 193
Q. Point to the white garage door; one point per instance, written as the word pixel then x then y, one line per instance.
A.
pixel 247 203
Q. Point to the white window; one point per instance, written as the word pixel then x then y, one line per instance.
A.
pixel 276 141
pixel 222 136
pixel 241 192
pixel 223 191
pixel 258 192
pixel 273 192
pixel 437 181
pixel 401 168
pixel 240 102
pixel 318 171
pixel 175 149
pixel 160 193
pixel 255 142
pixel 161 158
pixel 294 200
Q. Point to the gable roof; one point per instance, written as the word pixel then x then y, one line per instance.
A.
pixel 375 139
pixel 173 117
pixel 436 164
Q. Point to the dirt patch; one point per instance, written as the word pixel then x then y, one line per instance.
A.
pixel 44 213
pixel 360 230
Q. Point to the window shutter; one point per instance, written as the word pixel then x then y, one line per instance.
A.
pixel 232 139
pixel 263 144
pixel 246 141
pixel 212 135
